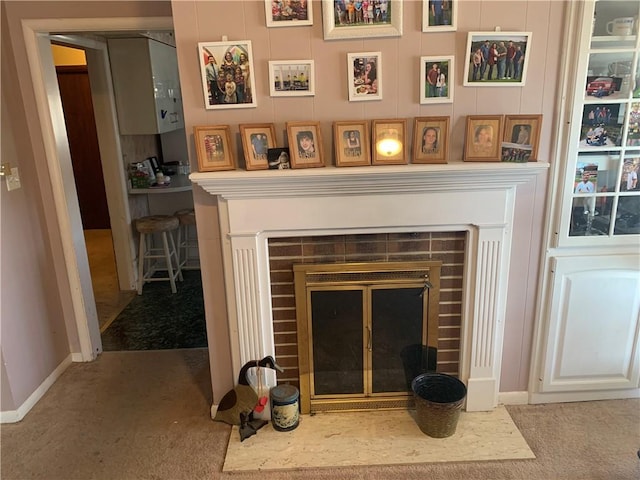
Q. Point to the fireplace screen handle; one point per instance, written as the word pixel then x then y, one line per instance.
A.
pixel 427 285
pixel 369 338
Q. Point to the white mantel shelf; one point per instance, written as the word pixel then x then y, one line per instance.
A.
pixel 367 180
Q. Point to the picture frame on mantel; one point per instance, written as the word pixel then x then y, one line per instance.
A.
pixel 257 139
pixel 338 23
pixel 296 13
pixel 523 132
pixel 351 141
pixel 431 140
pixel 439 15
pixel 389 141
pixel 213 148
pixel 483 138
pixel 491 62
pixel 305 144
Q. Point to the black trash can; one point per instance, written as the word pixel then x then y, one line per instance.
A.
pixel 439 399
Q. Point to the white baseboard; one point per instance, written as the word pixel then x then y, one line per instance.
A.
pixel 560 397
pixel 513 398
pixel 214 410
pixel 13 416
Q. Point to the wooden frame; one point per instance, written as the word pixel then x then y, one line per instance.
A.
pixel 431 140
pixel 522 131
pixel 384 130
pixel 490 72
pixel 441 90
pixel 351 142
pixel 220 60
pixel 336 23
pixel 257 138
pixel 483 138
pixel 364 76
pixel 444 20
pixel 305 144
pixel 213 148
pixel 300 13
pixel 292 78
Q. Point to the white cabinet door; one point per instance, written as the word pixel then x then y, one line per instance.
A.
pixel 593 327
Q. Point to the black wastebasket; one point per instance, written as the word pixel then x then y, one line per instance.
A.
pixel 439 399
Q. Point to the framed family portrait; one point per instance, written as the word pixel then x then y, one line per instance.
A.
pixel 497 59
pixel 227 74
pixel 341 19
pixel 436 79
pixel 364 76
pixel 291 78
pixel 351 141
pixel 483 138
pixel 213 148
pixel 389 142
pixel 431 140
pixel 305 144
pixel 439 15
pixel 521 137
pixel 257 139
pixel 288 13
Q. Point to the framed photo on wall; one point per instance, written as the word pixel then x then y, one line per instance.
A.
pixel 522 133
pixel 341 20
pixel 351 140
pixel 257 139
pixel 227 74
pixel 497 59
pixel 431 140
pixel 483 138
pixel 305 144
pixel 436 79
pixel 292 13
pixel 213 148
pixel 439 15
pixel 389 142
pixel 364 76
pixel 291 78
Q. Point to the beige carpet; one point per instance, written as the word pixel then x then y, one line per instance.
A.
pixel 145 415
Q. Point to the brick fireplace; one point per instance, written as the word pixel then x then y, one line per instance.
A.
pixel 257 209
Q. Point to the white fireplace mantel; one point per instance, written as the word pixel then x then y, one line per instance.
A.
pixel 474 197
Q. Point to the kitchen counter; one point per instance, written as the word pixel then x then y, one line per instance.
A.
pixel 179 183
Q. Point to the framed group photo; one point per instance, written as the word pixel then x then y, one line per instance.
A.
pixel 341 20
pixel 364 76
pixel 436 79
pixel 288 13
pixel 292 78
pixel 389 142
pixel 227 74
pixel 483 138
pixel 213 148
pixel 521 137
pixel 497 59
pixel 439 15
pixel 257 139
pixel 431 140
pixel 305 144
pixel 351 141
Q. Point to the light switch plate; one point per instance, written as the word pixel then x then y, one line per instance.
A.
pixel 13 179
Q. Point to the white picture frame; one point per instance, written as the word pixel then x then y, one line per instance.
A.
pixel 389 26
pixel 363 85
pixel 444 20
pixel 437 93
pixel 292 78
pixel 301 14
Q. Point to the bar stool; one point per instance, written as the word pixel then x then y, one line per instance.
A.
pixel 147 227
pixel 187 239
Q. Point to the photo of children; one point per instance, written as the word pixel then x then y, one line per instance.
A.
pixel 602 125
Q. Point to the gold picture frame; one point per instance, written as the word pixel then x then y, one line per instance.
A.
pixel 257 138
pixel 389 142
pixel 483 138
pixel 431 140
pixel 523 130
pixel 213 148
pixel 305 144
pixel 351 142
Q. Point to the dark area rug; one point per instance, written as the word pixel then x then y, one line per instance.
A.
pixel 160 320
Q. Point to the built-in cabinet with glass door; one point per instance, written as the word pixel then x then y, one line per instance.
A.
pixel 588 335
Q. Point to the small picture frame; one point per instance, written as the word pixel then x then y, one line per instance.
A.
pixel 213 148
pixel 305 144
pixel 279 158
pixel 523 133
pixel 292 78
pixel 351 141
pixel 227 74
pixel 497 59
pixel 257 139
pixel 389 142
pixel 483 138
pixel 436 79
pixel 439 15
pixel 364 76
pixel 340 22
pixel 431 140
pixel 292 13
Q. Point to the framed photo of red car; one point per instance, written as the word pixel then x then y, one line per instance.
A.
pixel 483 138
pixel 431 140
pixel 523 130
pixel 351 141
pixel 213 148
pixel 305 144
pixel 257 139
